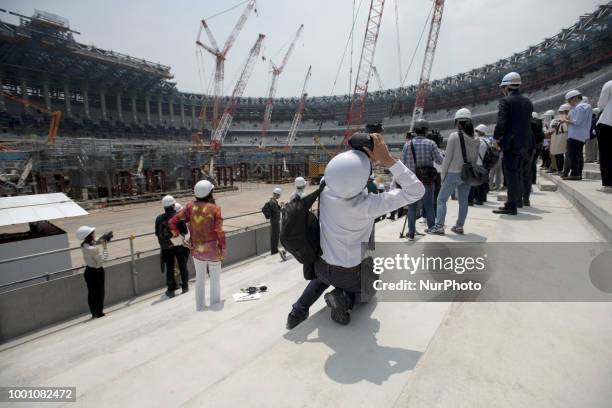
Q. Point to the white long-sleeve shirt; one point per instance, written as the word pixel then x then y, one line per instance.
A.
pixel 92 257
pixel 347 222
pixel 605 104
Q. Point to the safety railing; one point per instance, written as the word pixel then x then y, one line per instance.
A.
pixel 132 256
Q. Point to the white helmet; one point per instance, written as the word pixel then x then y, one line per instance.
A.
pixel 177 207
pixel 381 187
pixel 300 182
pixel 278 191
pixel 83 232
pixel 564 108
pixel 596 111
pixel 511 79
pixel 463 113
pixel 482 128
pixel 535 115
pixel 571 94
pixel 202 188
pixel 168 201
pixel 585 99
pixel 347 173
pixel 550 113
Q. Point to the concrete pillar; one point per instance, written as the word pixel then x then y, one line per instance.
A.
pixel 182 105
pixel 46 96
pixel 24 95
pixel 119 109
pixel 193 116
pixel 103 103
pixel 159 109
pixel 134 112
pixel 67 100
pixel 171 110
pixel 2 101
pixel 86 103
pixel 148 108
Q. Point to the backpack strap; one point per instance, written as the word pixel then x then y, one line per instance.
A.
pixel 413 154
pixel 462 142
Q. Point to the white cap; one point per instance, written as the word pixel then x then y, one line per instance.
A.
pixel 481 128
pixel 278 191
pixel 463 113
pixel 168 201
pixel 202 188
pixel 596 111
pixel 177 207
pixel 535 115
pixel 347 173
pixel 549 112
pixel 565 107
pixel 571 94
pixel 83 232
pixel 511 79
pixel 300 182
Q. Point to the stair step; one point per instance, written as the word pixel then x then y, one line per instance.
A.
pixel 502 197
pixel 591 175
pixel 591 166
pixel 545 185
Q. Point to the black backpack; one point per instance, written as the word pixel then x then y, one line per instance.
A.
pixel 300 231
pixel 267 211
pixel 491 157
pixel 164 236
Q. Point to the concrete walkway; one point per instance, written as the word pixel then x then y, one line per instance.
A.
pixel 159 352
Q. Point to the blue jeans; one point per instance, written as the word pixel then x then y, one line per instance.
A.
pixel 428 206
pixel 451 182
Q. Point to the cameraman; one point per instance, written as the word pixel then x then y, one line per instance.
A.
pixel 347 213
pixel 94 272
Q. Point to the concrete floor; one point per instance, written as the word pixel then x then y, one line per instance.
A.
pixel 159 352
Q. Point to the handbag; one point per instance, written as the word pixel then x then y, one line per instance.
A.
pixel 427 174
pixel 471 174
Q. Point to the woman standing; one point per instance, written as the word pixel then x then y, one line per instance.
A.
pixel 207 240
pixel 94 272
pixel 558 138
pixel 451 171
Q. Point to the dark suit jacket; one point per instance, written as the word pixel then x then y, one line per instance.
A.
pixel 513 128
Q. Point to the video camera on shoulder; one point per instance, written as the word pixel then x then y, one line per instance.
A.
pixel 360 140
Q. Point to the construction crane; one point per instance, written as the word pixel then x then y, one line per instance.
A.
pixel 297 118
pixel 226 120
pixel 364 72
pixel 220 55
pixel 377 76
pixel 55 116
pixel 276 71
pixel 430 51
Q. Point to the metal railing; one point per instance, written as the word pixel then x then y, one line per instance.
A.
pixel 133 255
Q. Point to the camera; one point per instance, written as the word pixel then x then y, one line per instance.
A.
pixel 360 140
pixel 106 237
pixel 375 128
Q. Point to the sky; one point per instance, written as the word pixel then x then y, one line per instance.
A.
pixel 473 33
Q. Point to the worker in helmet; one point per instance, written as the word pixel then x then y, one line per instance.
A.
pixel 272 211
pixel 513 135
pixel 558 139
pixel 94 272
pixel 578 130
pixel 546 157
pixel 206 240
pixel 347 213
pixel 300 185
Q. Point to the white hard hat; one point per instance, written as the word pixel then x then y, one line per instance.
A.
pixel 549 112
pixel 381 186
pixel 202 188
pixel 535 115
pixel 596 111
pixel 278 191
pixel 83 232
pixel 481 128
pixel 168 201
pixel 177 207
pixel 585 99
pixel 511 79
pixel 565 107
pixel 347 173
pixel 300 182
pixel 463 113
pixel 571 94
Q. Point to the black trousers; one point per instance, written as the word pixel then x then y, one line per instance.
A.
pixel 604 141
pixel 274 235
pixel 512 165
pixel 182 257
pixel 94 278
pixel 560 161
pixel 534 164
pixel 574 157
pixel 478 193
pixel 527 164
pixel 168 260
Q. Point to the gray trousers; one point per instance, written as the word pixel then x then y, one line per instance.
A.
pixel 591 151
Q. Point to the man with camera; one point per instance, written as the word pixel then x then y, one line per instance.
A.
pixel 419 155
pixel 347 212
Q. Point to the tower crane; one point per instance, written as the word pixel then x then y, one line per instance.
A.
pixel 220 54
pixel 430 51
pixel 276 71
pixel 297 118
pixel 54 115
pixel 364 72
pixel 377 76
pixel 226 120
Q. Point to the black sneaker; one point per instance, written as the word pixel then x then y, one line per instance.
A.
pixel 507 211
pixel 293 319
pixel 170 294
pixel 339 308
pixel 411 236
pixel 185 290
pixel 526 203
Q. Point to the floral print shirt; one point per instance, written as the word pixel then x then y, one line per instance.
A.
pixel 205 225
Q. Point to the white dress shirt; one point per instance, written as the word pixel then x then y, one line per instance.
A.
pixel 346 223
pixel 605 104
pixel 92 256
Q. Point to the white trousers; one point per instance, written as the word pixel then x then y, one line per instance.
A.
pixel 214 270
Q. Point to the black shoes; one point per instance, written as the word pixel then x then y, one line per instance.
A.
pixel 410 236
pixel 293 319
pixel 507 211
pixel 170 294
pixel 526 203
pixel 571 177
pixel 185 290
pixel 283 255
pixel 339 307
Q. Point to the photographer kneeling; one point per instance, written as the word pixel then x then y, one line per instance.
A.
pixel 347 213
